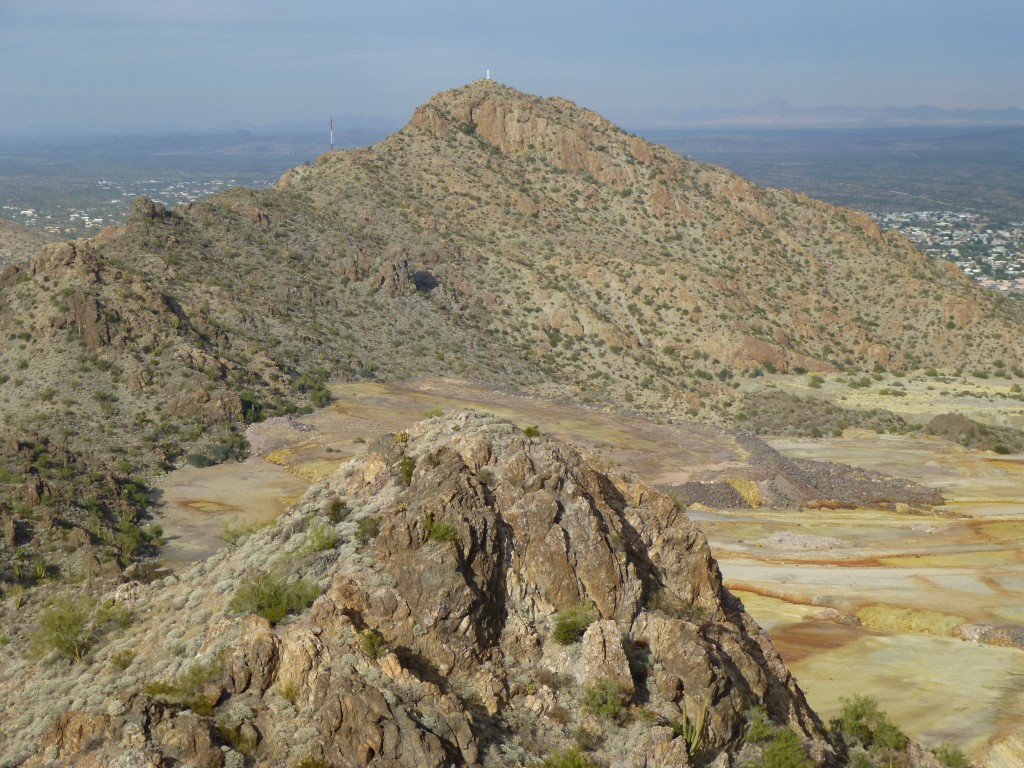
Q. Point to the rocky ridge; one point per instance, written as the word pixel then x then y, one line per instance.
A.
pixel 432 644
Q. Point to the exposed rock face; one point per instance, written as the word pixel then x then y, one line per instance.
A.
pixel 484 534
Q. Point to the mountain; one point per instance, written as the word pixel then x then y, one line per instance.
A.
pixel 519 242
pixel 516 241
pixel 776 113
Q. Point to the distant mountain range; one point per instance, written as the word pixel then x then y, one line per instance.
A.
pixel 772 113
pixel 777 113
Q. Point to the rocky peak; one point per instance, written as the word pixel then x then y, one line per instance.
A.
pixel 514 123
pixel 464 547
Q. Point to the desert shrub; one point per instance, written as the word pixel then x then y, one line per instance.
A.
pixel 371 643
pixel 951 756
pixel 605 697
pixel 235 532
pixel 273 598
pixel 532 431
pixel 367 528
pixel 64 627
pixel 432 412
pixel 587 739
pixel 437 530
pixel 759 726
pixel 405 469
pixel 570 758
pixel 320 537
pixel 486 477
pixel 571 624
pixel 187 688
pixel 785 750
pixel 199 460
pixel 336 510
pixel 861 722
pixel 123 659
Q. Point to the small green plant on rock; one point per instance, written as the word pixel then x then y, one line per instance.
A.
pixel 405 469
pixel 437 530
pixel 606 698
pixel 571 624
pixel 372 644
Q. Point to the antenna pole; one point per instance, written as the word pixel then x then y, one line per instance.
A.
pixel 332 133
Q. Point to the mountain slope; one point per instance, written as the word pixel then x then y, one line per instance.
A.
pixel 498 237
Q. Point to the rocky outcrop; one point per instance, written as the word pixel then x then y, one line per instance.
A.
pixel 434 643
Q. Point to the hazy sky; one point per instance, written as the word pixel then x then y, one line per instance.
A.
pixel 205 62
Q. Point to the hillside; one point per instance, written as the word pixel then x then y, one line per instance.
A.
pixel 502 238
pixel 487 597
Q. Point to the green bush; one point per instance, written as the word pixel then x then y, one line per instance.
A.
pixel 861 722
pixel 200 460
pixel 320 537
pixel 336 510
pixel 605 697
pixel 273 598
pixel 405 469
pixel 760 728
pixel 571 624
pixel 785 750
pixel 571 758
pixel 371 642
pixel 532 431
pixel 65 627
pixel 187 689
pixel 436 530
pixel 951 756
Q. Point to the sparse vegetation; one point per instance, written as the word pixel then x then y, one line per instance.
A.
pixel 405 469
pixel 437 530
pixel 606 698
pixel 273 597
pixel 570 758
pixel 862 723
pixel 571 624
pixel 694 731
pixel 372 644
pixel 367 528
